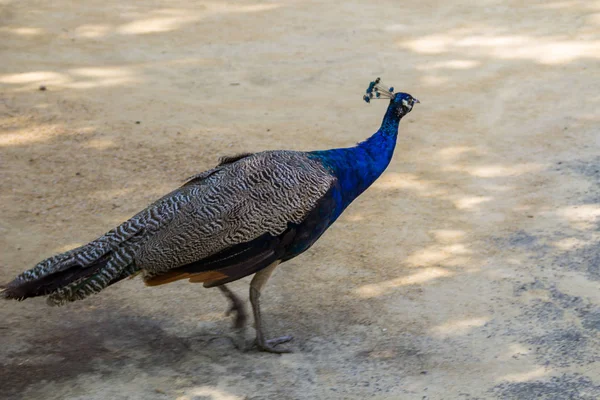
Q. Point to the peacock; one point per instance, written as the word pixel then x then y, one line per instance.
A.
pixel 245 216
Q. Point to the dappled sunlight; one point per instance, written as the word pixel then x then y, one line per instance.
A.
pixel 34 77
pixel 582 217
pixel 530 375
pixel 433 44
pixel 23 31
pixel 92 31
pixel 453 153
pixel 406 181
pixel 159 24
pixel 353 217
pixel 459 327
pixel 498 170
pixel 469 202
pixel 96 77
pixel 586 5
pixel 100 77
pixel 229 8
pixel 493 187
pixel 26 136
pixel 76 78
pixel 105 72
pixel 570 244
pixel 450 64
pixel 543 50
pixel 168 19
pixel 423 276
pixel 208 393
pixel 453 255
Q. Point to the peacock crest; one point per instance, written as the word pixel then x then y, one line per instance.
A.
pixel 378 90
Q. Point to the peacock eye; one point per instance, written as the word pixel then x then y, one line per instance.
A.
pixel 404 103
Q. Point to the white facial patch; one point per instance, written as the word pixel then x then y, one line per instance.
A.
pixel 405 103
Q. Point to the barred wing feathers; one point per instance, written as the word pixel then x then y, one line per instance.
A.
pixel 236 216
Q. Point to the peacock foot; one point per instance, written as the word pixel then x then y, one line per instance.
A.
pixel 269 345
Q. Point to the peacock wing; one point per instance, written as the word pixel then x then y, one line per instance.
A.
pixel 252 200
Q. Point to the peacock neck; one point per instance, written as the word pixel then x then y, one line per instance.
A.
pixel 356 168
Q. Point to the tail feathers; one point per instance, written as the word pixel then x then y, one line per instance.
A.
pixel 65 279
pixel 111 273
pixel 24 286
pixel 57 270
pixel 80 272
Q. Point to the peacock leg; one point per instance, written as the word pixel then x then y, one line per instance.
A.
pixel 259 280
pixel 236 307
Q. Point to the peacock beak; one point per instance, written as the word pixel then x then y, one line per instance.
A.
pixel 415 101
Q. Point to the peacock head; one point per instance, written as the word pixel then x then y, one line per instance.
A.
pixel 401 102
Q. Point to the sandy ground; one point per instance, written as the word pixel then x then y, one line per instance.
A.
pixel 470 270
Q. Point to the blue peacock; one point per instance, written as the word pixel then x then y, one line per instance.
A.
pixel 245 216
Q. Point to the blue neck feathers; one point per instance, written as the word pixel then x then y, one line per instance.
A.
pixel 356 168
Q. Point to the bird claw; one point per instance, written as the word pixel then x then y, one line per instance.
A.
pixel 269 345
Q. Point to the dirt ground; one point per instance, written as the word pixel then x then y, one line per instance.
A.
pixel 470 270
